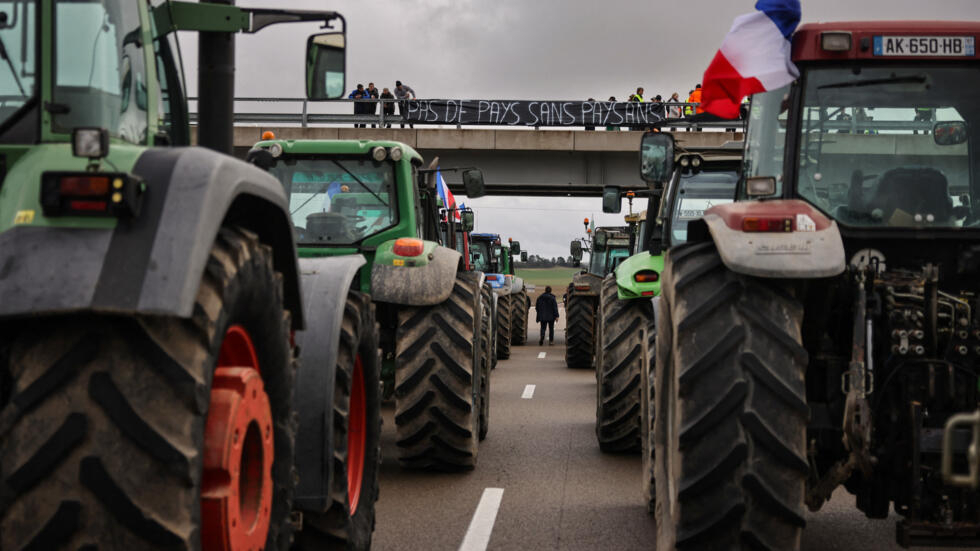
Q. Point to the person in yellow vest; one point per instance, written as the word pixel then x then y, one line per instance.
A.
pixel 638 96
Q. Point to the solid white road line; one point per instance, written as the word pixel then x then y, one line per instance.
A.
pixel 541 355
pixel 528 392
pixel 481 526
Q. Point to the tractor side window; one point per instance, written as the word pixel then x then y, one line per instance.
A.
pixel 766 137
pixel 18 29
pixel 100 78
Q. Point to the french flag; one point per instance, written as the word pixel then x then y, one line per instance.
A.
pixel 755 57
pixel 448 200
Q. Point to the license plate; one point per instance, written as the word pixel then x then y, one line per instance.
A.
pixel 912 46
pixel 694 208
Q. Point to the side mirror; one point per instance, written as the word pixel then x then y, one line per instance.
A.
pixel 610 199
pixel 260 157
pixel 498 251
pixel 468 219
pixel 473 183
pixel 600 240
pixel 326 65
pixel 515 247
pixel 576 250
pixel 656 157
pixel 949 133
pixel 523 256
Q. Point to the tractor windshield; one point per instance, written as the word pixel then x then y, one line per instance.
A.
pixel 696 193
pixel 889 145
pixel 99 70
pixel 338 201
pixel 482 259
pixel 18 38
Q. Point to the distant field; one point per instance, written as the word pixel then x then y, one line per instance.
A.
pixel 557 277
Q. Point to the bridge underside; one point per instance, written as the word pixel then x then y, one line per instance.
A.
pixel 515 162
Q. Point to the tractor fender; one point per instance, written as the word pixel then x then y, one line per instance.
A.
pixel 809 247
pixel 626 285
pixel 153 263
pixel 421 285
pixel 581 281
pixel 325 284
pixel 517 285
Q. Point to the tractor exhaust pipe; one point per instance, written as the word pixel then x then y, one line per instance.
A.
pixel 216 88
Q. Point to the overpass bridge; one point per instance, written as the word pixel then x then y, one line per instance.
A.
pixel 541 156
pixel 514 161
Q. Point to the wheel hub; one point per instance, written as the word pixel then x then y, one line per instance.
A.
pixel 236 490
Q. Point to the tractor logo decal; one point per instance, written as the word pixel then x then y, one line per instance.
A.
pixel 24 217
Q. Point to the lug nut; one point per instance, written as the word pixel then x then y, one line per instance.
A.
pixel 962 349
pixel 919 350
pixel 963 335
pixel 918 334
pixel 903 350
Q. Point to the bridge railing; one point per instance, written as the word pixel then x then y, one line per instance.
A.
pixel 299 111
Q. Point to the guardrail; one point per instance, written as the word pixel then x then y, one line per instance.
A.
pixel 299 112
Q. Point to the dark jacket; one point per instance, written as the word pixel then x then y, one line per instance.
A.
pixel 547 307
pixel 390 106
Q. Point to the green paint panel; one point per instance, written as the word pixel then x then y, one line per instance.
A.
pixel 20 196
pixel 186 16
pixel 629 288
pixel 385 255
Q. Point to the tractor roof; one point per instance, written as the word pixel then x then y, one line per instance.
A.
pixel 339 147
pixel 806 40
pixel 485 236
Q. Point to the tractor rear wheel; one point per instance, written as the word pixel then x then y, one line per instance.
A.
pixel 504 324
pixel 486 350
pixel 580 331
pixel 648 403
pixel 349 522
pixel 519 315
pixel 437 380
pixel 730 427
pixel 149 432
pixel 621 355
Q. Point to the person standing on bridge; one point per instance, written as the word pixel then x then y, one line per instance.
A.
pixel 371 108
pixel 359 93
pixel 388 106
pixel 547 314
pixel 403 93
pixel 638 96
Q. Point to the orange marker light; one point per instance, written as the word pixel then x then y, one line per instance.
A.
pixel 268 135
pixel 408 246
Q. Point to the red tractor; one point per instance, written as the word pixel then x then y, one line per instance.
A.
pixel 821 331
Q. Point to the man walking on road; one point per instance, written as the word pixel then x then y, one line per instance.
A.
pixel 547 308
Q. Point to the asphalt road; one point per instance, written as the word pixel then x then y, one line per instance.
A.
pixel 559 491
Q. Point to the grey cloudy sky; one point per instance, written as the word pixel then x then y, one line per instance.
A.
pixel 521 49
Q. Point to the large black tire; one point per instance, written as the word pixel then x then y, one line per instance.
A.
pixel 337 528
pixel 486 358
pixel 437 383
pixel 647 410
pixel 580 331
pixel 519 318
pixel 621 356
pixel 107 423
pixel 504 320
pixel 730 428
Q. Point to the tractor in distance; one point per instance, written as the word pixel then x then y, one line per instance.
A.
pixel 625 332
pixel 357 199
pixel 822 330
pixel 496 261
pixel 609 246
pixel 147 393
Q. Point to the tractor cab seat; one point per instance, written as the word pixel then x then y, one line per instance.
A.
pixel 915 191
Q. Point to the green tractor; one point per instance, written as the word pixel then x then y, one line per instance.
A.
pixel 609 246
pixel 625 337
pixel 509 291
pixel 149 293
pixel 373 200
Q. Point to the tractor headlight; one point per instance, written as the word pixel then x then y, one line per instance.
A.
pixel 396 154
pixel 379 153
pixel 276 150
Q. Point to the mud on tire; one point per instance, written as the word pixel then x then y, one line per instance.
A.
pixel 580 331
pixel 519 310
pixel 486 360
pixel 730 426
pixel 437 364
pixel 102 442
pixel 356 388
pixel 620 360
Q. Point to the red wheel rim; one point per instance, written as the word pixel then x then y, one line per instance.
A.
pixel 356 436
pixel 236 489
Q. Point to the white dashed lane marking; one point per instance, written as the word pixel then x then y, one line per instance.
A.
pixel 541 355
pixel 528 392
pixel 481 526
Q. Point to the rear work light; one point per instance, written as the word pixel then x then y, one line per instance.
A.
pixel 583 287
pixel 837 41
pixel 767 224
pixel 646 276
pixel 91 194
pixel 408 246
